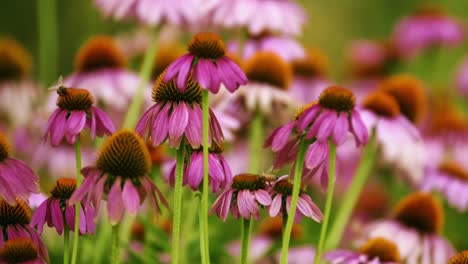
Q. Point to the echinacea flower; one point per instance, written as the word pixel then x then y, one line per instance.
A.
pixel 428 27
pixel 414 227
pixel 57 213
pixel 245 196
pixel 121 175
pixel 100 67
pixel 282 195
pixel 14 223
pixel 207 64
pixel 20 250
pixel 279 16
pixel 75 112
pixel 16 178
pixel 219 172
pixel 460 258
pixel 399 141
pixel 177 115
pixel 19 95
pixel 450 179
pixel 374 251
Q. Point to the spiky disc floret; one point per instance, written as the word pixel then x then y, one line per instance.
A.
pixel 267 67
pixel 382 104
pixel 97 53
pixel 337 98
pixel 169 92
pixel 248 181
pixel 207 45
pixel 20 213
pixel 124 154
pixel 63 188
pixel 314 64
pixel 75 99
pixel 460 258
pixel 381 248
pixel 19 250
pixel 5 149
pixel 420 211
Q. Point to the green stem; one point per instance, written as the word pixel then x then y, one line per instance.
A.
pixel 204 203
pixel 245 229
pixel 295 196
pixel 256 141
pixel 135 106
pixel 176 218
pixel 328 203
pixel 79 179
pixel 187 229
pixel 66 245
pixel 202 233
pixel 115 251
pixel 48 44
pixel 352 195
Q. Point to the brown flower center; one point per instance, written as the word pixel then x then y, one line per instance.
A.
pixel 373 202
pixel 74 99
pixel 98 53
pixel 420 211
pixel 19 250
pixel 454 169
pixel 207 45
pixel 124 154
pixel 273 228
pixel 381 248
pixel 15 62
pixel 303 108
pixel 409 93
pixel 447 119
pixel 167 54
pixel 169 92
pixel 314 64
pixel 337 98
pixel 5 149
pixel 460 258
pixel 20 213
pixel 248 181
pixel 63 188
pixel 382 104
pixel 284 187
pixel 267 67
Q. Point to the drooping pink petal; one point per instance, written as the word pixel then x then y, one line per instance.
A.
pixel 76 122
pixel 184 70
pixel 104 125
pixel 58 128
pixel 263 197
pixel 202 73
pixel 316 154
pixel 56 214
pixel 306 118
pixel 131 198
pixel 91 176
pixel 174 68
pixel 327 126
pixel 178 123
pixel 275 206
pixel 194 132
pixel 39 216
pixel 341 129
pixel 358 128
pixel 160 125
pixel 195 171
pixel 282 136
pixel 115 204
pixel 215 128
pixel 146 120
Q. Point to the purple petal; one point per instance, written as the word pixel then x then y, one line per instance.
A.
pixel 178 123
pixel 195 170
pixel 115 205
pixel 316 154
pixel 56 214
pixel 160 125
pixel 104 125
pixel 202 73
pixel 306 118
pixel 326 126
pixel 131 198
pixel 358 128
pixel 275 206
pixel 341 129
pixel 282 136
pixel 146 120
pixel 58 128
pixel 91 176
pixel 174 68
pixel 263 197
pixel 76 122
pixel 39 217
pixel 184 70
pixel 194 132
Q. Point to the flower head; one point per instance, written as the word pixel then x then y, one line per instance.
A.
pixel 75 112
pixel 121 172
pixel 243 198
pixel 15 62
pixel 460 258
pixel 56 212
pixel 16 178
pixel 20 250
pixel 177 115
pixel 208 65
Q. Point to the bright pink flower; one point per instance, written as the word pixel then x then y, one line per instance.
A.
pixel 207 64
pixel 245 196
pixel 177 115
pixel 75 112
pixel 56 212
pixel 121 175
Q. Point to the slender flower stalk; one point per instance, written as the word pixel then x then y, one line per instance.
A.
pixel 132 116
pixel 177 204
pixel 246 226
pixel 303 145
pixel 115 250
pixel 47 23
pixel 78 206
pixel 204 246
pixel 328 203
pixel 256 142
pixel 66 245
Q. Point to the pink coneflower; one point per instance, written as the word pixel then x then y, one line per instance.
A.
pixel 428 27
pixel 282 194
pixel 333 117
pixel 19 95
pixel 100 67
pixel 219 172
pixel 451 179
pixel 56 212
pixel 400 143
pixel 75 112
pixel 14 223
pixel 208 65
pixel 374 251
pixel 414 228
pixel 461 77
pixel 16 178
pixel 121 174
pixel 310 75
pixel 279 16
pixel 177 115
pixel 243 198
pixel 20 250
